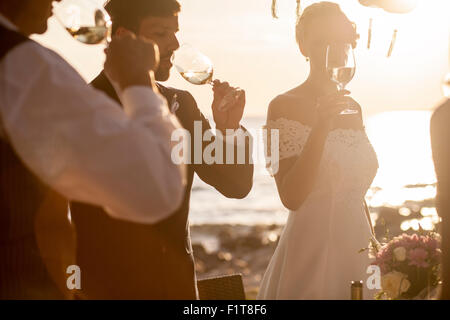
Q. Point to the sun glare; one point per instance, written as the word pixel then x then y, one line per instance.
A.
pixel 406 171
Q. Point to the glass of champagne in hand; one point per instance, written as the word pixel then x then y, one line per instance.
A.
pixel 85 20
pixel 341 66
pixel 197 68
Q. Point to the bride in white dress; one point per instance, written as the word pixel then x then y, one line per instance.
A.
pixel 326 166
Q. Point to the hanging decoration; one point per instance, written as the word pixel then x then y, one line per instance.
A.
pixel 299 9
pixel 274 9
pixel 369 36
pixel 391 47
pixel 391 6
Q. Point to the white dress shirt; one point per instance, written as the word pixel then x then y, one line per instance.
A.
pixel 82 144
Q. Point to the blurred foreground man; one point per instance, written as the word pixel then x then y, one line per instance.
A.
pixel 440 140
pixel 122 260
pixel 62 140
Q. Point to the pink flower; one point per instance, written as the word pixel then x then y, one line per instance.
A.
pixel 383 258
pixel 405 241
pixel 431 243
pixel 418 257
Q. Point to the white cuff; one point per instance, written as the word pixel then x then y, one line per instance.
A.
pixel 138 100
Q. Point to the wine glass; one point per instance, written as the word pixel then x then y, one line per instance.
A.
pixel 341 66
pixel 193 65
pixel 85 20
pixel 197 68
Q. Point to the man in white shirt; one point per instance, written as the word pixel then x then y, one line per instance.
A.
pixel 63 140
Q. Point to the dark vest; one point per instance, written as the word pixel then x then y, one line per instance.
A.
pixel 124 260
pixel 36 240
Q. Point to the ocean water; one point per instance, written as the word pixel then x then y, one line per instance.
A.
pixel 405 178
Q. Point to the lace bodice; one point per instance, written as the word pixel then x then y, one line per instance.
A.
pixel 348 160
pixel 318 253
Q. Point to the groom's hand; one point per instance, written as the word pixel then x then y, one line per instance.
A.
pixel 228 106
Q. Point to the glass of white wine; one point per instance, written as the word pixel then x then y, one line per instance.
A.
pixel 341 65
pixel 198 69
pixel 85 20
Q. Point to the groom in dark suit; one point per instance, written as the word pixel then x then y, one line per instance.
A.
pixel 440 139
pixel 122 260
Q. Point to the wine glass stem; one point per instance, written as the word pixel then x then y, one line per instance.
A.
pixel 341 87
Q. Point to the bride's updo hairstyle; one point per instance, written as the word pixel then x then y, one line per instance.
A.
pixel 323 23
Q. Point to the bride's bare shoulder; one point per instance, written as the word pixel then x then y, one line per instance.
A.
pixel 293 104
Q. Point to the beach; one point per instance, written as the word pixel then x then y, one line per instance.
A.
pixel 232 236
pixel 242 249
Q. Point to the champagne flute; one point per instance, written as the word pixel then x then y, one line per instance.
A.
pixel 341 66
pixel 197 68
pixel 85 20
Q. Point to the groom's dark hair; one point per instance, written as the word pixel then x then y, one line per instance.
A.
pixel 130 13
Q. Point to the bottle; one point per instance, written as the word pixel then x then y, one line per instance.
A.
pixel 356 290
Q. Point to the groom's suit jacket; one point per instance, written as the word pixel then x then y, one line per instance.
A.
pixel 123 260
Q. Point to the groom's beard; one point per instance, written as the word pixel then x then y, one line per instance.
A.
pixel 162 74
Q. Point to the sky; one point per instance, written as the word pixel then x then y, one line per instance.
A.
pixel 252 50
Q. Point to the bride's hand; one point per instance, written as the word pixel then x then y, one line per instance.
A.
pixel 330 106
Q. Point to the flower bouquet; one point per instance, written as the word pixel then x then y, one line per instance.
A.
pixel 409 266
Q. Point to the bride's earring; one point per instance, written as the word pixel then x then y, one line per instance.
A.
pixel 307 59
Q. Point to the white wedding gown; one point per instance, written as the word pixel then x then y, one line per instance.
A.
pixel 317 256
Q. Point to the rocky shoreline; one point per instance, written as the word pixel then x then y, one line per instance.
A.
pixel 230 249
